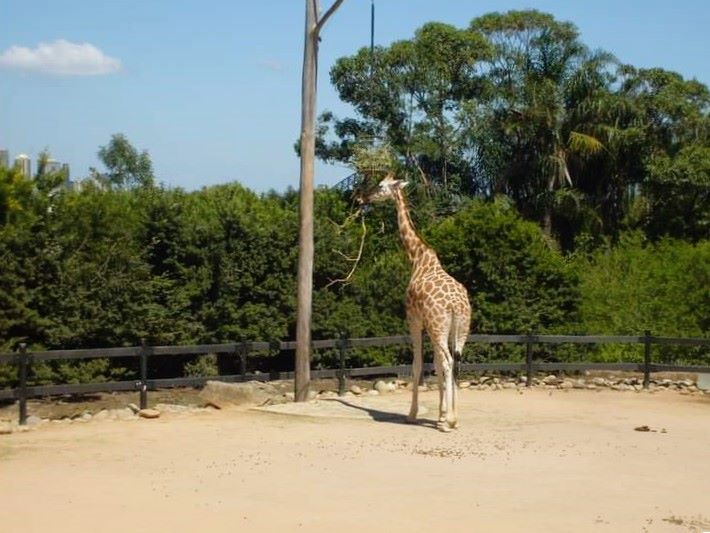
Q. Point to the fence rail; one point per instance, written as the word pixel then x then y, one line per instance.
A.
pixel 24 359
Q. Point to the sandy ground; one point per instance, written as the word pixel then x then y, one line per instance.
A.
pixel 536 461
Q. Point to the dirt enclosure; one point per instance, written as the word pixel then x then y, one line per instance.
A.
pixel 533 460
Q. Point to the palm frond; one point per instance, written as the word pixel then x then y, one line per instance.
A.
pixel 584 145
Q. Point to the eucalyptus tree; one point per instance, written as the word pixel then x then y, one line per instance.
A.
pixel 411 95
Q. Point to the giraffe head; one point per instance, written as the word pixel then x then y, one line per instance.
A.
pixel 385 190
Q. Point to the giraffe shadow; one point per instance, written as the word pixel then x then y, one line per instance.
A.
pixel 387 416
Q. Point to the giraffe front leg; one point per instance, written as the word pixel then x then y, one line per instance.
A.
pixel 415 329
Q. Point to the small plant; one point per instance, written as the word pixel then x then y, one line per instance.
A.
pixel 202 366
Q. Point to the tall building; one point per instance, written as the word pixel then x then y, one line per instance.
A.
pixel 52 165
pixel 4 158
pixel 23 162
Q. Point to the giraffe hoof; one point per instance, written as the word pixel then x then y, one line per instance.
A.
pixel 444 428
pixel 411 419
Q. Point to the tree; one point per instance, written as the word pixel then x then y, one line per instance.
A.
pixel 412 95
pixel 672 151
pixel 314 25
pixel 537 129
pixel 125 166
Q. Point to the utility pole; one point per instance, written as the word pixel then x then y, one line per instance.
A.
pixel 314 24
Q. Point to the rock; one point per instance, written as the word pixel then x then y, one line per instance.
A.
pixel 550 380
pixel 133 407
pixel 5 428
pixel 464 384
pixel 380 386
pixel 485 379
pixel 33 420
pixel 86 416
pixel 149 413
pixel 391 387
pixel 171 408
pixel 312 395
pixel 599 382
pixel 591 386
pixel 291 396
pixel 373 392
pixel 101 415
pixel 567 385
pixel 356 390
pixel 222 394
pixel 423 388
pixel 124 414
pixel 509 385
pixel 579 384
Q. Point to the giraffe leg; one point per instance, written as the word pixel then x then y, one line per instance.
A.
pixel 440 379
pixel 441 351
pixel 415 329
pixel 450 389
pixel 460 327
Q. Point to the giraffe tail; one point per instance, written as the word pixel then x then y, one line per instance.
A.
pixel 453 336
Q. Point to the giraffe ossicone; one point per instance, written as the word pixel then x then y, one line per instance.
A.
pixel 435 303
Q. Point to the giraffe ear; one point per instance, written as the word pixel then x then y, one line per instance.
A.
pixel 402 183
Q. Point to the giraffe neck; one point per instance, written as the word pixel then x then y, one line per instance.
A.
pixel 413 244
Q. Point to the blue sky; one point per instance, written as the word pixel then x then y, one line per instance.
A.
pixel 211 88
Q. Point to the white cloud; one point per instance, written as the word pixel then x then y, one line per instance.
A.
pixel 60 57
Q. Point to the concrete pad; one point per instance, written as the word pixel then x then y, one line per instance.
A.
pixel 366 407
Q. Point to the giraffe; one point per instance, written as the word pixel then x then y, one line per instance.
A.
pixel 435 302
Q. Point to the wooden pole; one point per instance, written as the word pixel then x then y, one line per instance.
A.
pixel 528 361
pixel 340 373
pixel 23 363
pixel 302 365
pixel 143 397
pixel 646 359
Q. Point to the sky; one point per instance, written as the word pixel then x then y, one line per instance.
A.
pixel 212 88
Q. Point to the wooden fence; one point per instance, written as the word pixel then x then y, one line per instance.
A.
pixel 241 350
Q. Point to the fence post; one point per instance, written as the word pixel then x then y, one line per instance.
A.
pixel 342 346
pixel 647 359
pixel 528 360
pixel 243 351
pixel 144 375
pixel 274 352
pixel 22 364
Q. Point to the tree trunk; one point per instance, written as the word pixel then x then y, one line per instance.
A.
pixel 305 235
pixel 302 365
